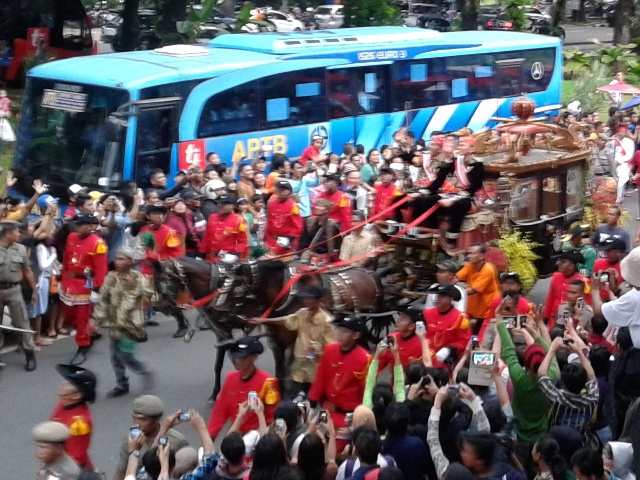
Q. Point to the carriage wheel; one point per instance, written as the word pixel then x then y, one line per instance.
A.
pixel 379 327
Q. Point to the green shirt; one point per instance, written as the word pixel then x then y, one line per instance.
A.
pixel 530 407
pixel 589 254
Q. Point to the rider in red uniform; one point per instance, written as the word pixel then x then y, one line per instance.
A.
pixel 409 344
pixel 283 220
pixel 226 231
pixel 161 241
pixel 340 378
pixel 341 212
pixel 84 267
pixel 386 192
pixel 448 329
pixel 75 392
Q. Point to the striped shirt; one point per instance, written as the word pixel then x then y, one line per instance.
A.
pixel 570 409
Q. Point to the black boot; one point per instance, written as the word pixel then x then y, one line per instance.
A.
pixel 31 361
pixel 183 325
pixel 80 357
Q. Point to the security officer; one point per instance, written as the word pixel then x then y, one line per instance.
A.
pixel 50 438
pixel 75 392
pixel 147 412
pixel 14 268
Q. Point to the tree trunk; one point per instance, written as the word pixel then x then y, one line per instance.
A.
pixel 582 14
pixel 172 11
pixel 621 27
pixel 470 15
pixel 228 8
pixel 558 13
pixel 130 25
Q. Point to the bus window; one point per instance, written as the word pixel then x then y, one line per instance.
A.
pixel 370 89
pixel 293 98
pixel 340 93
pixel 157 131
pixel 508 74
pixel 419 84
pixel 233 111
pixel 470 77
pixel 537 69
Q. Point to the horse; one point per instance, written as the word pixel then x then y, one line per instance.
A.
pixel 249 289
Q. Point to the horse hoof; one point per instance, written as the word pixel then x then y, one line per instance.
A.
pixel 180 333
pixel 212 399
pixel 187 338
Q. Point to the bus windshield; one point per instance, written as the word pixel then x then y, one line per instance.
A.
pixel 62 136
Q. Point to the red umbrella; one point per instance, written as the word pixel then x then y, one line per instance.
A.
pixel 623 88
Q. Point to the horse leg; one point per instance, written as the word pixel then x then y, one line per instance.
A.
pixel 183 323
pixel 217 382
pixel 280 364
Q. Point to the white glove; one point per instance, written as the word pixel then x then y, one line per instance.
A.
pixel 443 354
pixel 95 297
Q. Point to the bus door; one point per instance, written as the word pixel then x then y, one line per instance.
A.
pixel 357 102
pixel 157 131
pixel 508 77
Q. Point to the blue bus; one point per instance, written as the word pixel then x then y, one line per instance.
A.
pixel 99 120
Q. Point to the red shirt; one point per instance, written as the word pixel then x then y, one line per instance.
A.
pixel 557 295
pixel 309 153
pixel 384 197
pixel 340 380
pixel 81 254
pixel 450 329
pixel 78 419
pixel 227 234
pixel 523 308
pixel 635 162
pixel 409 348
pixel 601 265
pixel 341 211
pixel 283 220
pixel 234 391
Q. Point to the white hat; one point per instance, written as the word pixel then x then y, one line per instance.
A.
pixel 630 267
pixel 211 187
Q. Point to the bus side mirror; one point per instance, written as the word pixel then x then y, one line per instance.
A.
pixel 115 129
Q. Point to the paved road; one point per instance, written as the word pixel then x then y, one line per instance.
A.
pixel 184 373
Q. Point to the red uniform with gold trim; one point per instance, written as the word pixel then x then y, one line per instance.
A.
pixel 224 233
pixel 166 244
pixel 384 197
pixel 84 267
pixel 449 329
pixel 409 348
pixel 78 418
pixel 235 391
pixel 339 385
pixel 341 211
pixel 283 220
pixel 558 295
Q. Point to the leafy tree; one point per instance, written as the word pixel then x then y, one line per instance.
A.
pixel 516 14
pixel 469 17
pixel 364 13
pixel 587 81
pixel 575 61
pixel 616 58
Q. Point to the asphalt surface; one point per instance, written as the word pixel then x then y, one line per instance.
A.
pixel 184 380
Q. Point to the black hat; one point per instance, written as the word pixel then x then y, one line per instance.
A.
pixel 386 170
pixel 83 379
pixel 414 313
pixel 227 199
pixel 573 256
pixel 335 177
pixel 447 266
pixel 447 289
pixel 13 200
pixel 284 185
pixel 245 347
pixel 182 172
pixel 191 195
pixel 155 208
pixel 352 322
pixel 613 243
pixel 312 291
pixel 510 276
pixel 87 219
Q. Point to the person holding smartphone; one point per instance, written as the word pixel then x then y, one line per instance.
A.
pixel 608 268
pixel 408 343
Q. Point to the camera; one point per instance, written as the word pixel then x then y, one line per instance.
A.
pixel 604 277
pixel 475 342
pixel 424 381
pixel 134 431
pixel 163 440
pixel 280 426
pixel 252 399
pixel 184 417
pixel 580 303
pixel 420 327
pixel 322 416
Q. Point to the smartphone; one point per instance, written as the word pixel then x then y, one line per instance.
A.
pixel 510 322
pixel 280 426
pixel 454 388
pixel 604 277
pixel 134 431
pixel 420 327
pixel 322 416
pixel 251 399
pixel 184 417
pixel 390 340
pixel 348 419
pixel 424 381
pixel 567 341
pixel 580 303
pixel 163 440
pixel 475 342
pixel 304 408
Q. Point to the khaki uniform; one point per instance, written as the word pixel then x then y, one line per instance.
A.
pixel 176 442
pixel 566 311
pixel 63 468
pixel 12 260
pixel 314 333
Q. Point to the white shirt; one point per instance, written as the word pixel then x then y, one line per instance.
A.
pixel 625 312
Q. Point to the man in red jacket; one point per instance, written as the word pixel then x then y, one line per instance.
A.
pixel 75 392
pixel 409 344
pixel 386 192
pixel 341 211
pixel 567 271
pixel 340 378
pixel 161 241
pixel 284 223
pixel 238 384
pixel 226 231
pixel 610 264
pixel 84 267
pixel 448 329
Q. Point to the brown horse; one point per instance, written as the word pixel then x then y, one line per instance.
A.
pixel 249 289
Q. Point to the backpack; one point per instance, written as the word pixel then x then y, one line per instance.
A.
pixel 348 468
